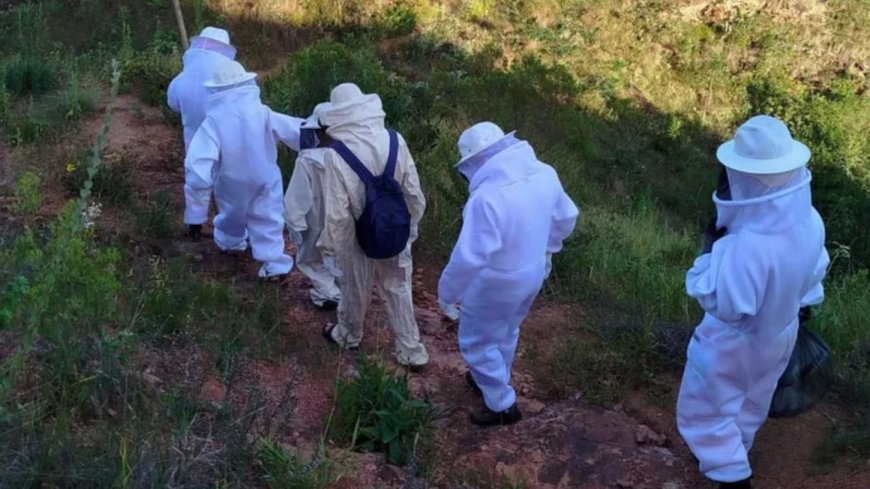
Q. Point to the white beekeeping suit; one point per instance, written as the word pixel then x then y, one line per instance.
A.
pixel 357 120
pixel 235 153
pixel 516 217
pixel 769 263
pixel 186 93
pixel 304 215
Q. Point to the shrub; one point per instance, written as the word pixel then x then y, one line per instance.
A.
pixel 376 412
pixel 149 72
pixel 29 75
pixel 159 217
pixel 311 73
pixel 113 184
pixel 399 20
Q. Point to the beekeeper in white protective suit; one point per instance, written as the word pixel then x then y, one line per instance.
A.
pixel 187 92
pixel 235 153
pixel 304 210
pixel 357 120
pixel 517 216
pixel 768 262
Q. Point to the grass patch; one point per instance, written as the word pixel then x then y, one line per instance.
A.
pixel 283 470
pixel 28 192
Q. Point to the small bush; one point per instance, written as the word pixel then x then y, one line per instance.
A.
pixel 28 127
pixel 148 73
pixel 311 73
pixel 159 218
pixel 29 75
pixel 28 191
pixel 376 412
pixel 399 20
pixel 113 184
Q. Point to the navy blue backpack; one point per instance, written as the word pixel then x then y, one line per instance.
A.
pixel 384 227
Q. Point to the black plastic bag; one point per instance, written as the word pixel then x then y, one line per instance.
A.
pixel 806 379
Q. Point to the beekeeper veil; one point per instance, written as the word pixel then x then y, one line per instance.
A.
pixel 480 143
pixel 229 76
pixel 216 40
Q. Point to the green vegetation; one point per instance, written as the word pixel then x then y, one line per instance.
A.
pixel 29 193
pixel 626 99
pixel 376 412
pixel 283 470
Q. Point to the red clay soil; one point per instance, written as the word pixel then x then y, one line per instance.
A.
pixel 559 444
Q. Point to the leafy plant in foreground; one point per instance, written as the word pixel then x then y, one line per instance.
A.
pixel 377 413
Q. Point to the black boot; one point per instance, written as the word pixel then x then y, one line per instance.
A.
pixel 744 484
pixel 471 383
pixel 485 417
pixel 194 231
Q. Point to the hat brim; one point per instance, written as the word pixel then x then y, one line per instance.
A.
pixel 481 150
pixel 214 84
pixel 207 38
pixel 797 157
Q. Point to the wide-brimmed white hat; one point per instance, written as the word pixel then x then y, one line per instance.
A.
pixel 228 74
pixel 763 146
pixel 479 137
pixel 215 34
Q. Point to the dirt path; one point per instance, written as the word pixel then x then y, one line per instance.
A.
pixel 561 444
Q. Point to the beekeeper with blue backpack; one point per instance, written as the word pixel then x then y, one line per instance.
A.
pixel 373 206
pixel 234 152
pixel 517 216
pixel 187 92
pixel 304 210
pixel 762 262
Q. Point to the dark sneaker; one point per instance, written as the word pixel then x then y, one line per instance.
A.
pixel 327 335
pixel 329 305
pixel 744 484
pixel 416 369
pixel 280 280
pixel 471 383
pixel 484 417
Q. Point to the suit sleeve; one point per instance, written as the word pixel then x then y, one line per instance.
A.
pixel 816 293
pixel 299 199
pixel 172 99
pixel 286 129
pixel 563 222
pixel 726 286
pixel 203 154
pixel 412 189
pixel 337 208
pixel 478 240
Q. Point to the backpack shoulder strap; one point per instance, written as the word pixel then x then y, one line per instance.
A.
pixel 390 169
pixel 355 164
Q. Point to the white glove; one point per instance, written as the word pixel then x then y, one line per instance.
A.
pixel 330 266
pixel 549 267
pixel 296 236
pixel 450 311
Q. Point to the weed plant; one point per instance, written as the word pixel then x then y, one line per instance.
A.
pixel 377 413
